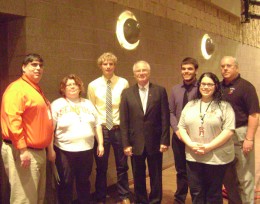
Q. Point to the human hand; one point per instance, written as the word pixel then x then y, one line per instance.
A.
pixel 178 135
pixel 163 148
pixel 203 149
pixel 199 148
pixel 195 146
pixel 100 151
pixel 25 157
pixel 128 151
pixel 248 146
pixel 51 155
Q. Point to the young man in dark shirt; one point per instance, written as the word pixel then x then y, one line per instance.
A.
pixel 180 95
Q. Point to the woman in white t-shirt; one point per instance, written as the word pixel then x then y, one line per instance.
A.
pixel 77 124
pixel 206 127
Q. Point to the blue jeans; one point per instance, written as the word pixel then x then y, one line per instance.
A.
pixel 205 182
pixel 111 137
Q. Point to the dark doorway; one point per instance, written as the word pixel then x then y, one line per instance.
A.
pixel 7 43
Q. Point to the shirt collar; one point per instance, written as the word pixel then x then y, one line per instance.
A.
pixel 146 86
pixel 113 78
pixel 232 82
pixel 194 84
pixel 36 86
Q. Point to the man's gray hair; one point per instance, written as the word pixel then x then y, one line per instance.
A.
pixel 141 62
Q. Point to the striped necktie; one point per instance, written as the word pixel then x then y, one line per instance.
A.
pixel 109 116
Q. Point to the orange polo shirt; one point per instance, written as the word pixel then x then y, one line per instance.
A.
pixel 25 115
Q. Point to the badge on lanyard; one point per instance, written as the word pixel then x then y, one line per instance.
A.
pixel 201 131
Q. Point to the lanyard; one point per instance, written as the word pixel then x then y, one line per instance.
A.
pixel 40 92
pixel 203 116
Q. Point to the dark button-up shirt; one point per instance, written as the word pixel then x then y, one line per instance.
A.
pixel 176 100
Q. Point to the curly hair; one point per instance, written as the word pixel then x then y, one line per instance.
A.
pixel 77 80
pixel 107 56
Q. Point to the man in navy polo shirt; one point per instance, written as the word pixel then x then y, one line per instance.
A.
pixel 242 95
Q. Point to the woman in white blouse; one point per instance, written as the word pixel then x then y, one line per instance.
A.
pixel 77 124
pixel 206 127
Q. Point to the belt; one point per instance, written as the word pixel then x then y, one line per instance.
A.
pixel 115 127
pixel 10 142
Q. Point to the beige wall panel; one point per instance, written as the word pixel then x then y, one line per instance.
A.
pixel 16 7
pixel 41 10
pixel 232 6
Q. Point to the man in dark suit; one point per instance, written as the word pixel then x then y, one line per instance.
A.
pixel 145 131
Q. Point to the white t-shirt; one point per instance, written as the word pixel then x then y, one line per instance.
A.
pixel 76 124
pixel 218 117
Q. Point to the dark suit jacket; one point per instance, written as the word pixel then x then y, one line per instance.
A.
pixel 148 130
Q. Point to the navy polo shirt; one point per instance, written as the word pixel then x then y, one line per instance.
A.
pixel 241 94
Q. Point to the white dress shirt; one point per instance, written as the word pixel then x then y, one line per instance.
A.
pixel 97 95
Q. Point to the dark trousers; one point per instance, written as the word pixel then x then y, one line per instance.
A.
pixel 178 148
pixel 111 137
pixel 155 172
pixel 231 183
pixel 72 165
pixel 205 182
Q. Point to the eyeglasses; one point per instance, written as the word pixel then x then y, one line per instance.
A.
pixel 35 65
pixel 72 84
pixel 210 85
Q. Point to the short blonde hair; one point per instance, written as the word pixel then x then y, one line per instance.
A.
pixel 107 56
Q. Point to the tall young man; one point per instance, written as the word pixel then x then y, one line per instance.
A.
pixel 105 93
pixel 180 95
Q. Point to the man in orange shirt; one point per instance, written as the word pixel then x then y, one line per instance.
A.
pixel 27 129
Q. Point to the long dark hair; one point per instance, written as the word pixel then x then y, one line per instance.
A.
pixel 217 95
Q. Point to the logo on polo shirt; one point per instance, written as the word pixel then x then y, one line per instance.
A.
pixel 231 90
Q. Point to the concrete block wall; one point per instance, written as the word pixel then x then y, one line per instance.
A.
pixel 203 15
pixel 185 22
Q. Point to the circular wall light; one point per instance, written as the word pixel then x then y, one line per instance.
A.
pixel 207 47
pixel 128 30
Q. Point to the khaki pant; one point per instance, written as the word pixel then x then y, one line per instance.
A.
pixel 245 167
pixel 27 184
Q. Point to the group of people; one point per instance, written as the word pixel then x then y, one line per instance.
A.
pixel 213 124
